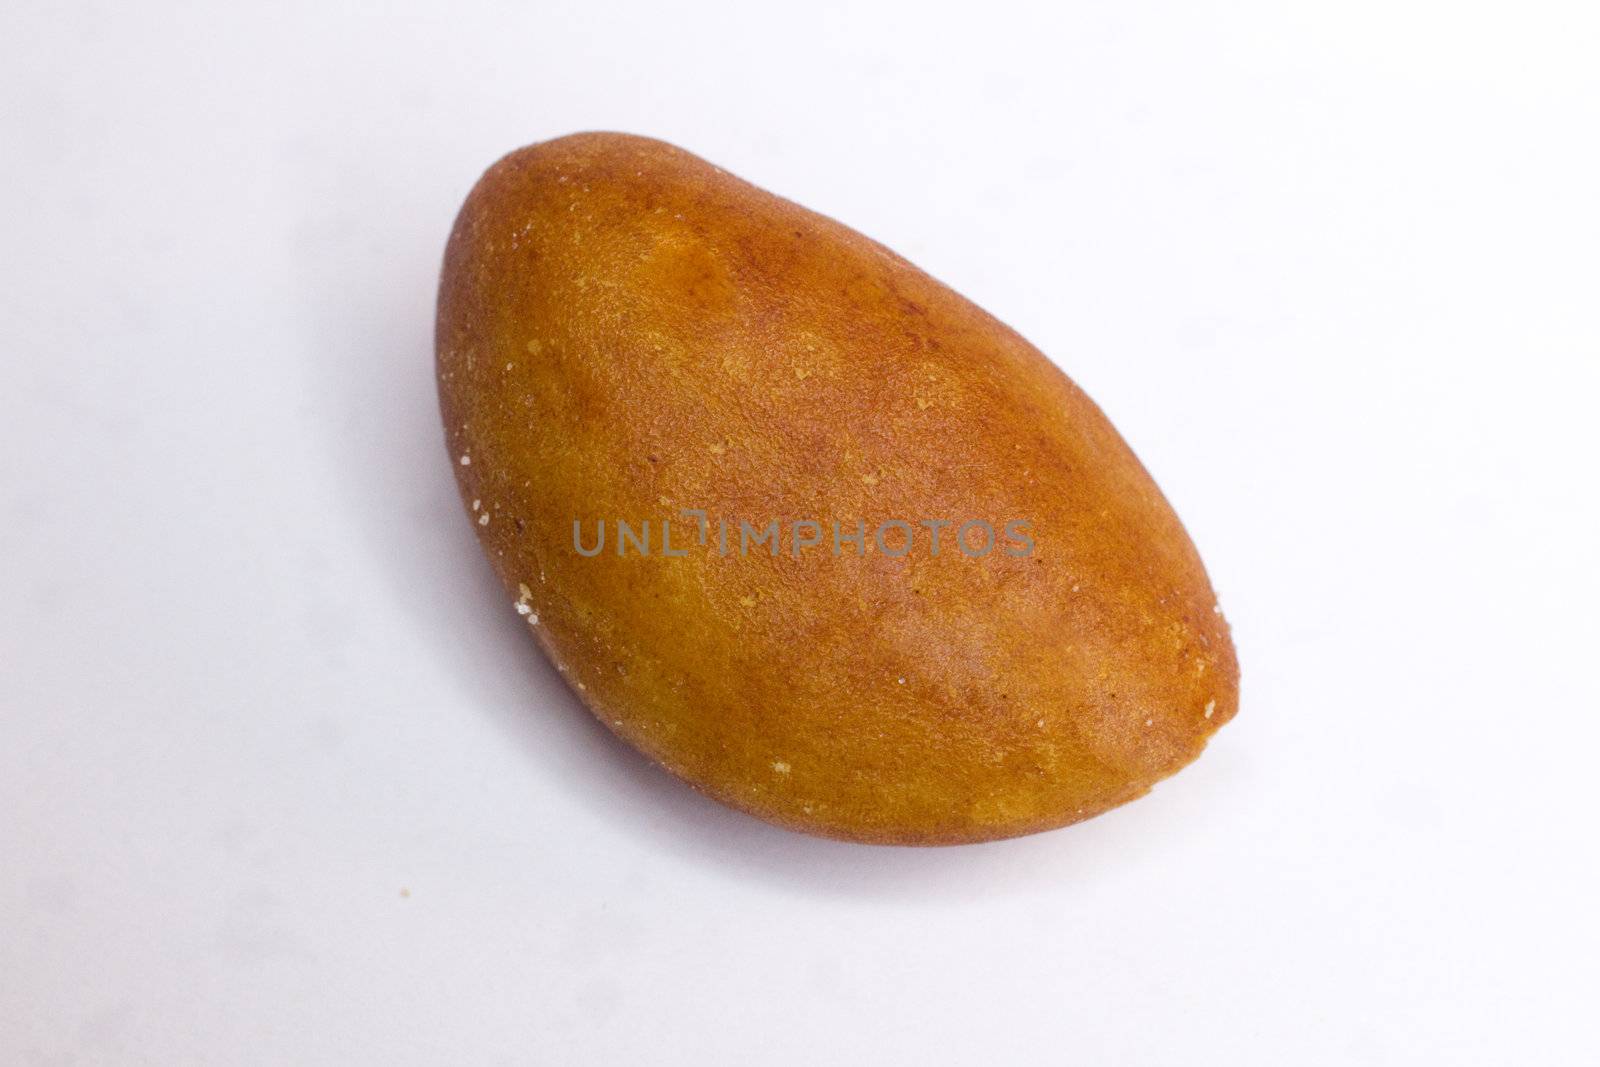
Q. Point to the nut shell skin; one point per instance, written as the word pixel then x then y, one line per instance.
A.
pixel 625 330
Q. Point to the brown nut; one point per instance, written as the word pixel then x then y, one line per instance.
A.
pixel 628 335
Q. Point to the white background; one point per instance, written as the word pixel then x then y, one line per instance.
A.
pixel 282 779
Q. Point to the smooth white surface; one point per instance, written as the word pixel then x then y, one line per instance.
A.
pixel 282 779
